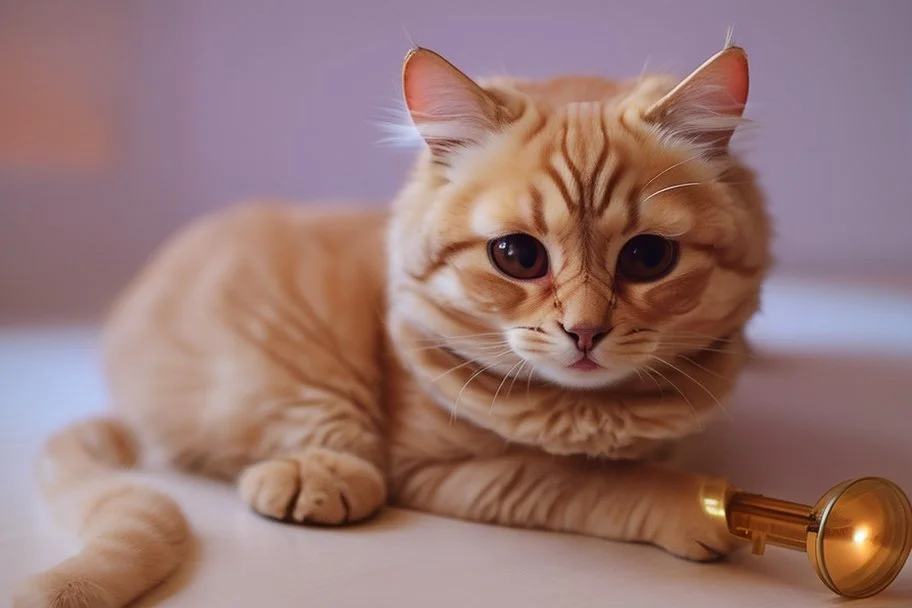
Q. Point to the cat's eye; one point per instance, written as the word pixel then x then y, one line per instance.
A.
pixel 647 257
pixel 519 256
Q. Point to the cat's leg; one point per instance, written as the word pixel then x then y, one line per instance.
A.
pixel 627 501
pixel 251 351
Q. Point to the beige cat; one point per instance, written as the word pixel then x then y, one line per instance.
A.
pixel 560 289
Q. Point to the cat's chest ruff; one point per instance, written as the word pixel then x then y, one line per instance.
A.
pixel 470 422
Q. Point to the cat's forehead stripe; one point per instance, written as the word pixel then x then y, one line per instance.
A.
pixel 587 167
pixel 538 211
pixel 554 176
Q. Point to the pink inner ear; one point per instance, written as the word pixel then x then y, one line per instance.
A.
pixel 436 90
pixel 416 89
pixel 732 74
pixel 445 105
pixel 706 107
pixel 719 87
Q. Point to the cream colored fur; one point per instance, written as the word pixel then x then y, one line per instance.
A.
pixel 333 361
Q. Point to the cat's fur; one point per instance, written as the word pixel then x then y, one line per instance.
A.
pixel 331 362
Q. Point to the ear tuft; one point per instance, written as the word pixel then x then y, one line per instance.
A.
pixel 447 108
pixel 707 106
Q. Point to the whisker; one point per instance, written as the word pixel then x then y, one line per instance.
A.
pixel 669 188
pixel 482 347
pixel 447 339
pixel 452 369
pixel 674 166
pixel 649 371
pixel 470 362
pixel 469 381
pixel 683 396
pixel 698 349
pixel 643 71
pixel 477 335
pixel 619 353
pixel 518 372
pixel 682 341
pixel 529 381
pixel 698 383
pixel 684 334
pixel 674 353
pixel 633 342
pixel 703 367
pixel 502 382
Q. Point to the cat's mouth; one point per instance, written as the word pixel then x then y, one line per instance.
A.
pixel 585 364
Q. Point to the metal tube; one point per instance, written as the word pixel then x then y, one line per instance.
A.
pixel 765 520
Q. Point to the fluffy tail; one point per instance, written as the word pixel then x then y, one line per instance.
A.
pixel 134 536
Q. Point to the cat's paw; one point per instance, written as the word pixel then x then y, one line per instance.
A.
pixel 315 485
pixel 699 542
pixel 688 532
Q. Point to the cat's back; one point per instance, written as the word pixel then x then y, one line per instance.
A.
pixel 233 290
pixel 298 246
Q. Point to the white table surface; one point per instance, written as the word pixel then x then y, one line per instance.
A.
pixel 829 397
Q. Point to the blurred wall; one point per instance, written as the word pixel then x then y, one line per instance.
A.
pixel 120 120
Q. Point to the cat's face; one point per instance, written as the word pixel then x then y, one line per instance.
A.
pixel 579 243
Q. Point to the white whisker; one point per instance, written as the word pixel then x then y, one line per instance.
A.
pixel 643 71
pixel 668 188
pixel 408 36
pixel 445 339
pixel 704 368
pixel 649 371
pixel 683 396
pixel 529 381
pixel 481 347
pixel 469 381
pixel 686 333
pixel 502 382
pixel 470 362
pixel 696 348
pixel 515 376
pixel 674 166
pixel 698 383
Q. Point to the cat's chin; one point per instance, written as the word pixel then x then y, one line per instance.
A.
pixel 585 379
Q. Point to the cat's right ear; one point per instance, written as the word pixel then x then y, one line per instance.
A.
pixel 706 107
pixel 448 108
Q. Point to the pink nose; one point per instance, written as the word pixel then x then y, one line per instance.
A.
pixel 586 336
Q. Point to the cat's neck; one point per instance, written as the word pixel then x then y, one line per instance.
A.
pixel 624 420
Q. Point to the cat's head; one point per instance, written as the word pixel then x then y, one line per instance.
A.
pixel 584 229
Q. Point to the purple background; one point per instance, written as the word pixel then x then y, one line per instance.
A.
pixel 208 102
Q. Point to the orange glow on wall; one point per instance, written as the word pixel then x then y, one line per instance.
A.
pixel 59 75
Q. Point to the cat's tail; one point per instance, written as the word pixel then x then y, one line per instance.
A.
pixel 134 536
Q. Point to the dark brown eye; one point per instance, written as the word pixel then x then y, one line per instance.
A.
pixel 519 256
pixel 647 257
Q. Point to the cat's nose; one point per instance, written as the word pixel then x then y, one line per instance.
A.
pixel 586 336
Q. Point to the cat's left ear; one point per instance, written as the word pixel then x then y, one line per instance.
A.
pixel 707 106
pixel 447 107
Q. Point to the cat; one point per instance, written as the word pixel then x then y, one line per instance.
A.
pixel 558 292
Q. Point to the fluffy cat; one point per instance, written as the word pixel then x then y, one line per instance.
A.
pixel 559 290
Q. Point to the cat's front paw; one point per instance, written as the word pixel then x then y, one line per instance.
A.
pixel 688 532
pixel 315 485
